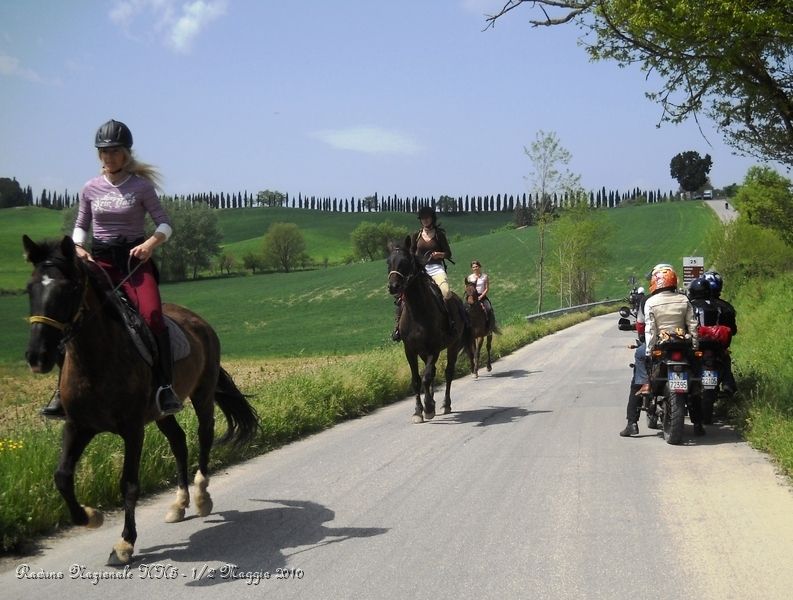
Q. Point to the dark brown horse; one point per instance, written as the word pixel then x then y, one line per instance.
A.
pixel 482 328
pixel 424 327
pixel 106 386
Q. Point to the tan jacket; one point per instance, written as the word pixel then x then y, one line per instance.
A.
pixel 668 311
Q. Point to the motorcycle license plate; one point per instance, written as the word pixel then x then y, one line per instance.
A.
pixel 678 382
pixel 710 379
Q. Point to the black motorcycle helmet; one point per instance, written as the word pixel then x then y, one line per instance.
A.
pixel 113 134
pixel 428 211
pixel 699 289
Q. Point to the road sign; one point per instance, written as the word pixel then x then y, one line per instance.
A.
pixel 693 267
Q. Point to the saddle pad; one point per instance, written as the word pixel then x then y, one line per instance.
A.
pixel 180 347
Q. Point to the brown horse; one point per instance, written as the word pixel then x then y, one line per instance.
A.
pixel 482 328
pixel 424 327
pixel 105 385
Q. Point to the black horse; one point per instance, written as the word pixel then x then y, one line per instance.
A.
pixel 105 385
pixel 425 327
pixel 482 327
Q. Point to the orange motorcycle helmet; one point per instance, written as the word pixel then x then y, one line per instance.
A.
pixel 662 278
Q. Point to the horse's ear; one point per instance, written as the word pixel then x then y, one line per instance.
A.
pixel 33 252
pixel 67 247
pixel 407 242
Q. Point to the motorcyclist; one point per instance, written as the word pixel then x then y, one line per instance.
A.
pixel 665 311
pixel 726 316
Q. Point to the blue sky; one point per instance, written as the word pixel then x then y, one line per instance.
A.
pixel 340 98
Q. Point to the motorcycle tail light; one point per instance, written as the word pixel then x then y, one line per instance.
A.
pixel 676 355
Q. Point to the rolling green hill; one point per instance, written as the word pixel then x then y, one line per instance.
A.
pixel 347 309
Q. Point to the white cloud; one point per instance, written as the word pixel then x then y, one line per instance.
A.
pixel 11 67
pixel 369 140
pixel 180 25
pixel 195 17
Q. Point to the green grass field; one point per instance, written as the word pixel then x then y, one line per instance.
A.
pixel 347 309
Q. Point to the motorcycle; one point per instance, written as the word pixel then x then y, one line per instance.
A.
pixel 711 357
pixel 670 394
pixel 627 321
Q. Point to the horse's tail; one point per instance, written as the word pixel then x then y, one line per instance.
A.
pixel 241 417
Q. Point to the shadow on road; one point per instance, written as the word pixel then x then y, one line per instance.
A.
pixel 254 541
pixel 514 374
pixel 492 415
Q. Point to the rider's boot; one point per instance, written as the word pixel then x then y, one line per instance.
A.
pixel 632 428
pixel 54 410
pixel 167 400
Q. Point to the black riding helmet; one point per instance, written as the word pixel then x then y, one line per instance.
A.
pixel 699 289
pixel 113 134
pixel 428 211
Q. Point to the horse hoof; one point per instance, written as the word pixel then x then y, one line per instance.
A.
pixel 489 368
pixel 476 375
pixel 95 517
pixel 204 506
pixel 418 419
pixel 174 515
pixel 121 554
pixel 447 410
pixel 429 416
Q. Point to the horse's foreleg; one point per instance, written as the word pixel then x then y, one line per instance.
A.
pixel 415 380
pixel 489 342
pixel 477 355
pixel 428 379
pixel 178 442
pixel 130 490
pixel 74 442
pixel 451 363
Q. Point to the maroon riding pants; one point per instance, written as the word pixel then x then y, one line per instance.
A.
pixel 142 290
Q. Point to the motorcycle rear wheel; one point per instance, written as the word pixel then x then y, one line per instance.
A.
pixel 674 416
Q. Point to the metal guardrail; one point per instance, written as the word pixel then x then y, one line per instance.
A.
pixel 569 309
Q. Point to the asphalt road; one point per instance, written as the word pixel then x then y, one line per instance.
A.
pixel 524 491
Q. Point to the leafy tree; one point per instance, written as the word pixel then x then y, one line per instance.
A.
pixel 690 170
pixel 745 252
pixel 370 240
pixel 226 262
pixel 195 241
pixel 11 193
pixel 446 204
pixel 766 199
pixel 366 240
pixel 370 203
pixel 284 246
pixel 728 60
pixel 524 216
pixel 581 237
pixel 549 175
pixel 270 198
pixel 253 261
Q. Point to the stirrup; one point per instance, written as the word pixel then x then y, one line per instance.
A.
pixel 167 400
